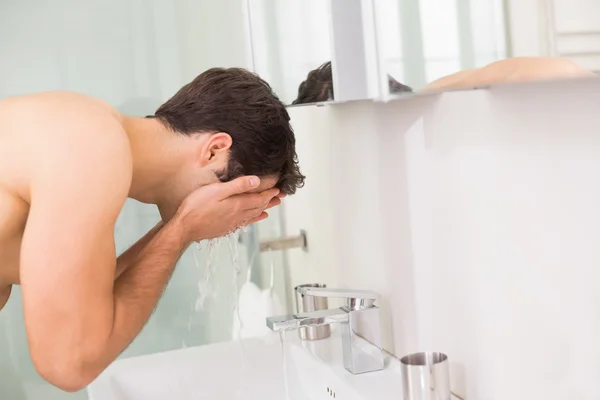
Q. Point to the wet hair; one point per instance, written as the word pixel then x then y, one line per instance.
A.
pixel 318 86
pixel 241 104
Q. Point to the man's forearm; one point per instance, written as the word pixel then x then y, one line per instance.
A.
pixel 137 291
pixel 127 259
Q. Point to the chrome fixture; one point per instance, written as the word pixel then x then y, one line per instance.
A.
pixel 290 242
pixel 359 320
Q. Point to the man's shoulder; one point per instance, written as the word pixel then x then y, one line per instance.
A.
pixel 69 126
pixel 59 103
pixel 58 136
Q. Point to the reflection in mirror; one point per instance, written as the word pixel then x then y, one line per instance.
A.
pixel 451 44
pixel 513 70
pixel 289 39
pixel 318 86
pixel 421 41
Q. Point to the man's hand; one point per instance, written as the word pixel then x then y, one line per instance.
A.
pixel 218 209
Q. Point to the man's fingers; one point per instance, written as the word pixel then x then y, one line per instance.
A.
pixel 239 185
pixel 270 193
pixel 257 201
pixel 262 216
pixel 275 201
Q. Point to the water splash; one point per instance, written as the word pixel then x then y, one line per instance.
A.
pixel 212 246
pixel 204 286
pixel 197 250
pixel 284 364
pixel 234 250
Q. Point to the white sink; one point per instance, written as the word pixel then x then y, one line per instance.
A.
pixel 219 371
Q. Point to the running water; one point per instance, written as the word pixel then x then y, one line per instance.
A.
pixel 234 249
pixel 204 287
pixel 284 364
pixel 197 250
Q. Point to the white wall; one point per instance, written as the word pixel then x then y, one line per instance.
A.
pixel 313 201
pixel 475 214
pixel 528 28
pixel 561 28
pixel 577 26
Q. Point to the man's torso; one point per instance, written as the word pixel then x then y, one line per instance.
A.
pixel 17 159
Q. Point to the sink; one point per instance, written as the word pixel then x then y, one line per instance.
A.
pixel 222 371
pixel 216 371
pixel 317 369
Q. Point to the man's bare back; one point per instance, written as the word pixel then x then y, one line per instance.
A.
pixel 23 144
pixel 512 70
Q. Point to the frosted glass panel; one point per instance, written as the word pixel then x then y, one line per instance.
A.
pixel 133 54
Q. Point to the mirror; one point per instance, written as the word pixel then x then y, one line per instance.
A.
pixel 462 44
pixel 289 39
pixel 314 51
pixel 421 41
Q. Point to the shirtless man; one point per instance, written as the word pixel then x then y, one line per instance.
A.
pixel 512 70
pixel 213 158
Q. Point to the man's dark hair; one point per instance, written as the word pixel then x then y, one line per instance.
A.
pixel 241 104
pixel 318 86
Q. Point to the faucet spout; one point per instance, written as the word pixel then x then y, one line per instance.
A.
pixel 359 321
pixel 355 299
pixel 315 318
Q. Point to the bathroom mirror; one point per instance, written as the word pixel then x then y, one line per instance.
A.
pixel 288 40
pixel 313 51
pixel 420 41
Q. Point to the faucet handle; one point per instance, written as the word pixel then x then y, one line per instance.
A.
pixel 355 299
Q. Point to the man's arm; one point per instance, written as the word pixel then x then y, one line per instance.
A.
pixel 78 320
pixel 126 259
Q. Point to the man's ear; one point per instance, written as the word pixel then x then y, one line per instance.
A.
pixel 215 148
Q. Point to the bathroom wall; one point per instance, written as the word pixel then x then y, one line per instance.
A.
pixel 474 214
pixel 527 27
pixel 562 28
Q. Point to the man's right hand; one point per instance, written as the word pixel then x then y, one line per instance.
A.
pixel 221 208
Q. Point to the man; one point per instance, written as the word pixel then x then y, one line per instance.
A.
pixel 512 70
pixel 213 158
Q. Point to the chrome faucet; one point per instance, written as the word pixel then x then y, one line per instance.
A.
pixel 359 320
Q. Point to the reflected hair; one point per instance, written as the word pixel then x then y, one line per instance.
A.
pixel 318 86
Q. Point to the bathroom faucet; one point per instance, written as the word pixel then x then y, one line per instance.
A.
pixel 358 318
